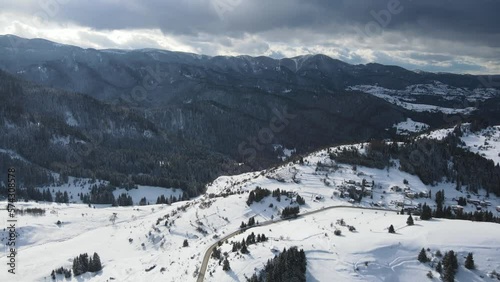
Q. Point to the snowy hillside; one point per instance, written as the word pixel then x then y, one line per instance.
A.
pixel 369 253
pixel 146 242
pixel 408 98
pixel 485 142
pixel 410 126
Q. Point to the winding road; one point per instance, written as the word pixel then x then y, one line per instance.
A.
pixel 208 253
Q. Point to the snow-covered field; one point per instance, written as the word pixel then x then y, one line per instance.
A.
pixel 152 236
pixel 370 253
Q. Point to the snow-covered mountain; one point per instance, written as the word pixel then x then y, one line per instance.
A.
pixel 146 243
pixel 171 107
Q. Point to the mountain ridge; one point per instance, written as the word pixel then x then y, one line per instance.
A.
pixel 218 105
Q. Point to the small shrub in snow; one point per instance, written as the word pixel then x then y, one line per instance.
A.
pixel 429 275
pixel 391 229
pixel 337 232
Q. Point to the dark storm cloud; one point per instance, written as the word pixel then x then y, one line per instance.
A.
pixel 451 19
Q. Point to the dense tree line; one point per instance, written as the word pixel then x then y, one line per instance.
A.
pixel 290 212
pixel 242 246
pixel 61 197
pixel 257 195
pixel 289 265
pixel 31 193
pixel 102 194
pixel 124 200
pixel 447 212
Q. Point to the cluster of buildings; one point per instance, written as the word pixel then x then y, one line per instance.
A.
pixel 354 190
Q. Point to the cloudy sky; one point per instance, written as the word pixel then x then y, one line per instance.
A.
pixel 461 36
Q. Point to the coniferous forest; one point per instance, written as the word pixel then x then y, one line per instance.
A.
pixel 289 265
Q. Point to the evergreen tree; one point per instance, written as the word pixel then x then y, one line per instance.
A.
pixel 469 262
pixel 185 243
pixel 300 200
pixel 439 213
pixel 409 221
pixel 225 265
pixel 448 273
pixel 426 212
pixel 391 229
pixel 439 267
pixel 91 265
pixel 251 198
pixel 453 260
pixel 96 263
pixel 450 266
pixel 77 266
pixel 244 249
pixel 48 196
pixel 251 221
pixel 216 253
pixel 84 261
pixel 235 247
pixel 422 256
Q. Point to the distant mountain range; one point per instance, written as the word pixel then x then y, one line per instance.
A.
pixel 175 119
